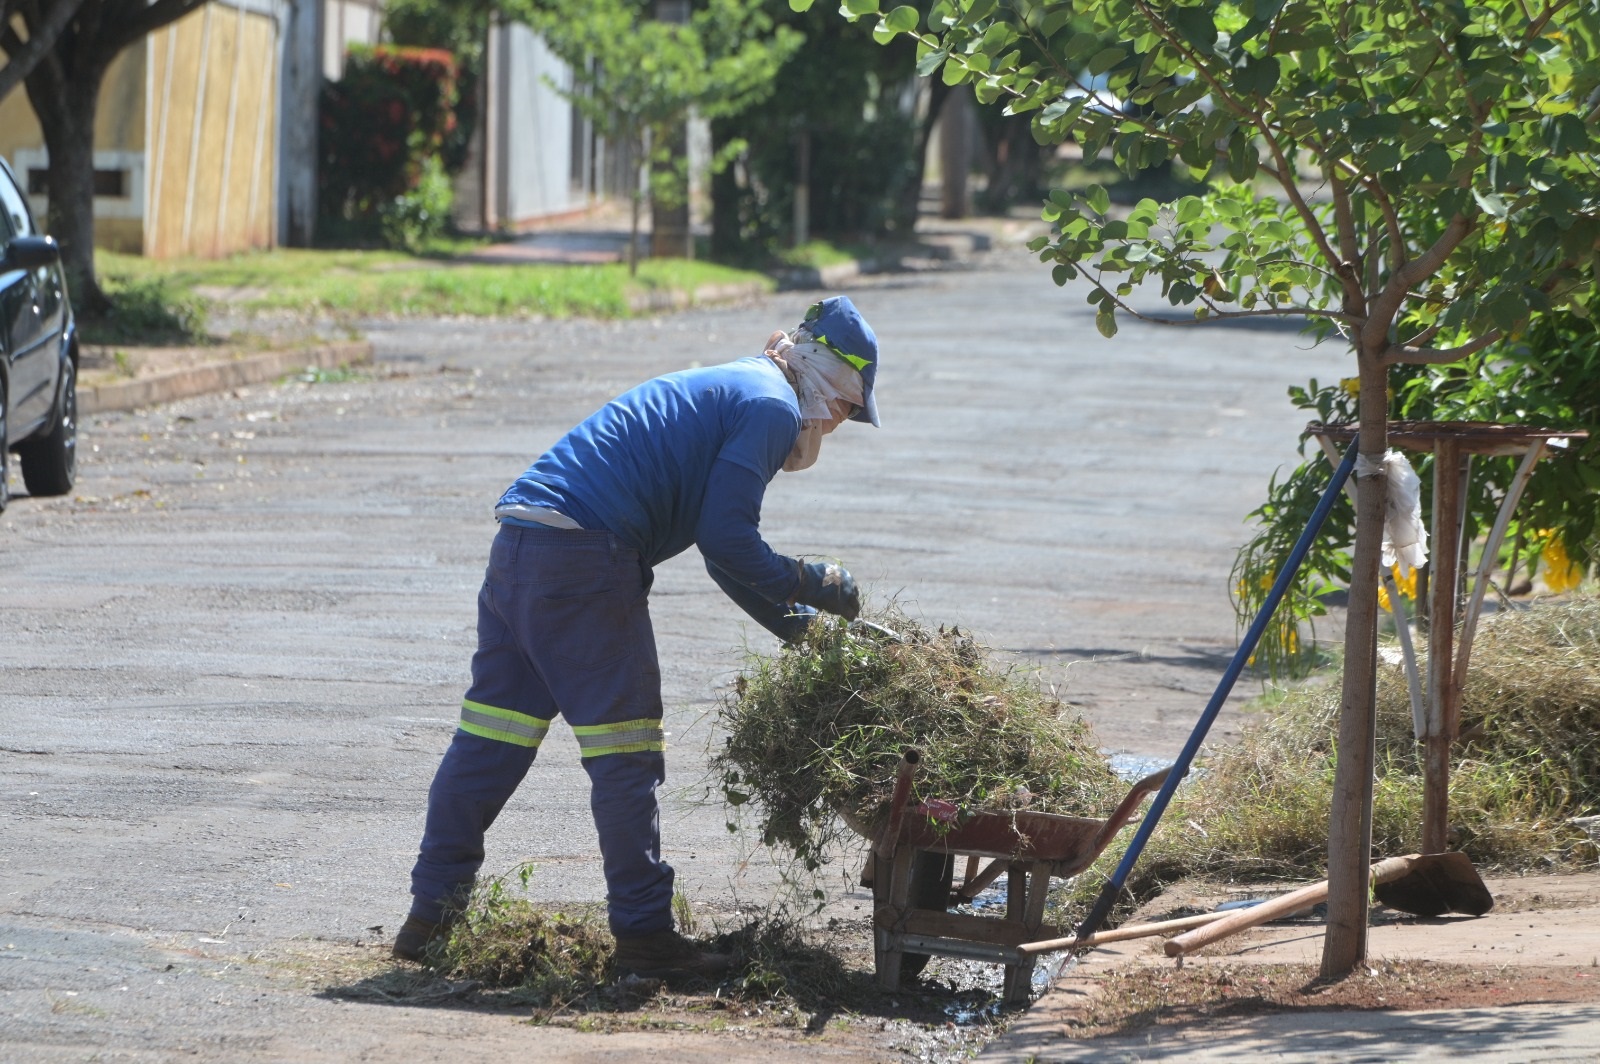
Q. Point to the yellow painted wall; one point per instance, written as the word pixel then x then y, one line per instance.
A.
pixel 118 127
pixel 212 160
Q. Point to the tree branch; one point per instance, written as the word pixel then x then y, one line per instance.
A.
pixel 134 20
pixel 1433 356
pixel 41 38
pixel 1217 315
pixel 1419 269
pixel 1350 282
pixel 1351 258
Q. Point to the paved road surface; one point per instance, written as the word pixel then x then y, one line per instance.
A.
pixel 229 665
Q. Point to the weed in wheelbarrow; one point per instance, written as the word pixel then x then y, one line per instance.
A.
pixel 815 732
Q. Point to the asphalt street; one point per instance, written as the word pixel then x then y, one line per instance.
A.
pixel 229 663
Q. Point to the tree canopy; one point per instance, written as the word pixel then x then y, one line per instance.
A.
pixel 1415 176
pixel 638 78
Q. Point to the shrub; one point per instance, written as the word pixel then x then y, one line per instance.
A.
pixel 412 218
pixel 383 127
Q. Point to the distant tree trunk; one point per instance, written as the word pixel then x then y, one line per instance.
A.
pixel 725 235
pixel 1013 161
pixel 905 215
pixel 65 103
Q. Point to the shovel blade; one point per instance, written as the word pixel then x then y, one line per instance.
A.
pixel 1435 884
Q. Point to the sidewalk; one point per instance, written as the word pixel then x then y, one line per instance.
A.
pixel 1542 940
pixel 122 377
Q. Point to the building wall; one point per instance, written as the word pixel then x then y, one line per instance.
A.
pixel 529 166
pixel 187 126
pixel 212 107
pixel 348 22
pixel 118 154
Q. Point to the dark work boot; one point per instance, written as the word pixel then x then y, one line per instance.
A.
pixel 417 936
pixel 668 955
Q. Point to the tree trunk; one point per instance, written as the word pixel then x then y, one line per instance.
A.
pixel 66 107
pixel 1350 815
pixel 910 205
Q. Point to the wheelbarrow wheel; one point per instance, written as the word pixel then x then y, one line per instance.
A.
pixel 932 876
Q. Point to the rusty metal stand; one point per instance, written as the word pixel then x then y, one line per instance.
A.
pixel 1453 445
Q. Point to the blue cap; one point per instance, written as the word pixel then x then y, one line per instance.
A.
pixel 836 324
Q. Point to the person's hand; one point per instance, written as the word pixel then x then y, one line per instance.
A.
pixel 829 587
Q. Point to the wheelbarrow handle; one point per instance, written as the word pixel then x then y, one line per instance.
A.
pixel 1124 812
pixel 890 836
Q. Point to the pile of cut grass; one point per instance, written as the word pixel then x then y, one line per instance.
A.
pixel 504 942
pixel 1528 762
pixel 817 732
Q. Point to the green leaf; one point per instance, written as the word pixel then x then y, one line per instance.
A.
pixel 1105 319
pixel 902 19
pixel 955 70
pixel 931 62
pixel 1242 160
pixel 1106 58
pixel 1258 75
pixel 801 6
pixel 1195 24
pixel 1098 198
pixel 857 8
pixel 996 37
pixel 1062 274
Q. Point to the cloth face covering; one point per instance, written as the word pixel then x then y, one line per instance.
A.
pixel 827 386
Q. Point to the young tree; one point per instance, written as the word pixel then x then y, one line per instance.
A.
pixel 64 88
pixel 637 79
pixel 1415 176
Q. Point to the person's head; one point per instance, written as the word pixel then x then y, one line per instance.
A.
pixel 837 325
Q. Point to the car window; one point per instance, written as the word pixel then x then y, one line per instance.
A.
pixel 14 207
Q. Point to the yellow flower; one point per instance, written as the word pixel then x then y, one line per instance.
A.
pixel 1406 585
pixel 1351 386
pixel 1561 573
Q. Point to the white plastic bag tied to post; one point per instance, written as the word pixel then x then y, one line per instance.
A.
pixel 1405 537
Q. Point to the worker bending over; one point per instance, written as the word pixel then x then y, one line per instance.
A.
pixel 563 620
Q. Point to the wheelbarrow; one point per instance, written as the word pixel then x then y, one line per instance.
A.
pixel 911 867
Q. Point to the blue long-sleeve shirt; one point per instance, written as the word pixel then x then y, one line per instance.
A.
pixel 681 460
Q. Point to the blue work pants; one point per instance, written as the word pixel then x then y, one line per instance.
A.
pixel 563 629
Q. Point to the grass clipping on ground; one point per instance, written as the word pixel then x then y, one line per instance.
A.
pixel 815 733
pixel 1528 762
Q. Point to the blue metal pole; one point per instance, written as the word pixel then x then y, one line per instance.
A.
pixel 1180 768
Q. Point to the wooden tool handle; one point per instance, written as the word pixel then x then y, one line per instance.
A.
pixel 1382 872
pixel 1120 934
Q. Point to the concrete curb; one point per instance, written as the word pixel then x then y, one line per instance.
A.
pixel 228 371
pixel 677 299
pixel 935 247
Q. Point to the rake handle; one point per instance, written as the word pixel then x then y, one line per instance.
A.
pixel 1384 871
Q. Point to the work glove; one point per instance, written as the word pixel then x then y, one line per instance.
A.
pixel 828 587
pixel 788 623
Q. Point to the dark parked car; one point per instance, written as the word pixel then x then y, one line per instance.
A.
pixel 39 342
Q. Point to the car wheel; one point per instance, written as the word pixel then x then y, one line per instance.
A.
pixel 50 462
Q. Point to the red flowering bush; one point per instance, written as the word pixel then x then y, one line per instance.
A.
pixel 382 123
